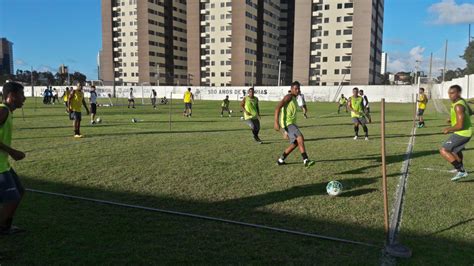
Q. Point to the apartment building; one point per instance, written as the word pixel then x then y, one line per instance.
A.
pixel 144 42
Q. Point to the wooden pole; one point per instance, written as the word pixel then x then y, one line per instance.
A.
pixel 384 171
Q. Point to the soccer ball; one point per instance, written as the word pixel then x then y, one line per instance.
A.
pixel 334 188
pixel 230 111
pixel 98 120
pixel 134 120
pixel 241 118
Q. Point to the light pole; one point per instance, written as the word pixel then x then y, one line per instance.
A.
pixel 279 71
pixel 158 74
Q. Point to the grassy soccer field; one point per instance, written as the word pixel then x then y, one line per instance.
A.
pixel 210 165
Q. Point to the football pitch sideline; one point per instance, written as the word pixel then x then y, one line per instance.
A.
pixel 210 165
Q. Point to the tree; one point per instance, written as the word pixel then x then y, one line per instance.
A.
pixel 78 77
pixel 469 57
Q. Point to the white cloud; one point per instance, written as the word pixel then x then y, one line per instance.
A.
pixel 44 68
pixel 20 62
pixel 449 12
pixel 406 61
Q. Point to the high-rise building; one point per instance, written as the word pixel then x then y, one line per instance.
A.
pixel 337 42
pixel 241 42
pixel 144 42
pixel 238 42
pixel 6 56
pixel 384 62
pixel 63 69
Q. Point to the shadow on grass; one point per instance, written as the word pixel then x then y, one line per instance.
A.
pixel 452 226
pixel 57 225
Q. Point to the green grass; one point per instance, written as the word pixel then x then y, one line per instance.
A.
pixel 210 165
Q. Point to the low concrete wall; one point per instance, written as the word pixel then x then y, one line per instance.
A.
pixel 392 93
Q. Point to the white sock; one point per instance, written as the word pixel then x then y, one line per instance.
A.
pixel 280 160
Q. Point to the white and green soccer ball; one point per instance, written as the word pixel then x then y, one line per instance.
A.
pixel 334 188
pixel 98 120
pixel 230 111
pixel 134 120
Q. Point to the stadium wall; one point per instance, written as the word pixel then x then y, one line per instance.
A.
pixel 392 93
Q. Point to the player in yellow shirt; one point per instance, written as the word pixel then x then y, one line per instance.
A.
pixel 188 103
pixel 422 101
pixel 66 98
pixel 76 101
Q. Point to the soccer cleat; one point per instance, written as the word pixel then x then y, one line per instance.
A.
pixel 258 140
pixel 280 162
pixel 309 163
pixel 305 116
pixel 77 136
pixel 366 138
pixel 12 230
pixel 356 137
pixel 459 175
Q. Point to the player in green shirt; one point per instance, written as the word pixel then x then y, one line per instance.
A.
pixel 285 117
pixel 356 106
pixel 251 112
pixel 11 189
pixel 225 106
pixel 342 103
pixel 461 128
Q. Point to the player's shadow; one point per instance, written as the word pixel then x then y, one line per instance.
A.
pixel 452 226
pixel 377 159
pixel 316 189
pixel 358 192
pixel 73 219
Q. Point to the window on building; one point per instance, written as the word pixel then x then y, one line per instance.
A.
pixel 339 6
pixel 326 7
pixel 338 59
pixel 326 33
pixel 325 46
pixel 336 71
pixel 326 20
pixel 339 19
pixel 347 45
pixel 338 32
pixel 325 59
pixel 338 45
pixel 324 72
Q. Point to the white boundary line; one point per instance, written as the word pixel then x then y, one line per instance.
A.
pixel 281 230
pixel 397 208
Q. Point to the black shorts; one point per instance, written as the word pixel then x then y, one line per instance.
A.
pixel 420 112
pixel 188 105
pixel 11 188
pixel 131 100
pixel 455 143
pixel 93 108
pixel 77 116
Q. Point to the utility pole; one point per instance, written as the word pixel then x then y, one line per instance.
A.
pixel 253 69
pixel 32 86
pixel 468 43
pixel 279 72
pixel 445 60
pixel 158 74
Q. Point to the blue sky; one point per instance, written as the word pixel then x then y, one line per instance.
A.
pixel 47 33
